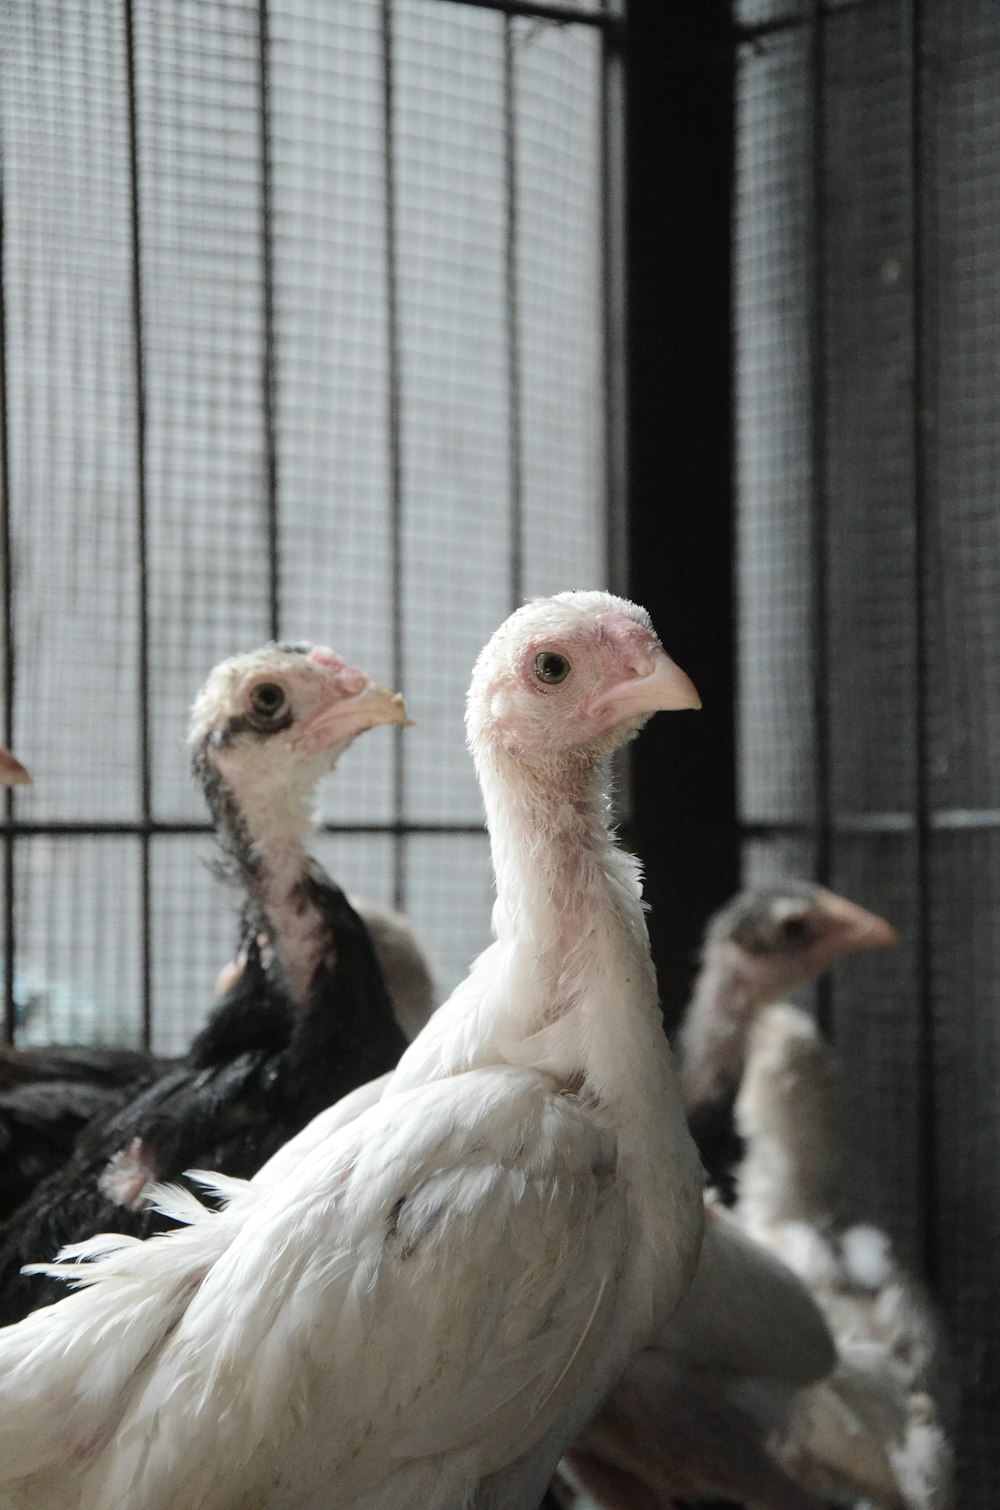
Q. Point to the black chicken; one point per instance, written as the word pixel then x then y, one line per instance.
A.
pixel 307 1016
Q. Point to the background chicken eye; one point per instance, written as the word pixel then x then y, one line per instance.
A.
pixel 794 929
pixel 551 667
pixel 267 699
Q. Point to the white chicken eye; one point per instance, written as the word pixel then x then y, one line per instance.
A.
pixel 267 703
pixel 551 667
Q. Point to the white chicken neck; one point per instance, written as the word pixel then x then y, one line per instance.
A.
pixel 575 993
pixel 564 887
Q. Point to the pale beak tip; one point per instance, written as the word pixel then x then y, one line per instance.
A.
pixel 862 929
pixel 688 696
pixel 397 711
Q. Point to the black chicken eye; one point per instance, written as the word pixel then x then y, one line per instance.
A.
pixel 794 929
pixel 551 667
pixel 267 700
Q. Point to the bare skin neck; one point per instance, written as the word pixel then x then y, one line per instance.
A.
pixel 566 893
pixel 264 838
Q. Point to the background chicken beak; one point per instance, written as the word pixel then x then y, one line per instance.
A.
pixel 12 772
pixel 350 715
pixel 853 927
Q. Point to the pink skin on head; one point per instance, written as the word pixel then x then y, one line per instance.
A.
pixel 348 680
pixel 353 703
pixel 651 683
pixel 627 676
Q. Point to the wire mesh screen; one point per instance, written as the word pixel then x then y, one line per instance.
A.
pixel 303 335
pixel 868 294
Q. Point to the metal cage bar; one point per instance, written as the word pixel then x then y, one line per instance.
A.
pixel 138 353
pixel 7 612
pixel 268 375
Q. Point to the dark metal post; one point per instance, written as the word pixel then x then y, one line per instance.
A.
pixel 679 176
pixel 7 589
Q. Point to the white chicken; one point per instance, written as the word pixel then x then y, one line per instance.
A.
pixel 879 1427
pixel 419 1309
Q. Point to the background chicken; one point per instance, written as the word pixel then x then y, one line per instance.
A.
pixel 881 1426
pixel 691 1418
pixel 761 946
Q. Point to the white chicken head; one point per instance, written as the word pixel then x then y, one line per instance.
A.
pixel 284 709
pixel 782 936
pixel 569 679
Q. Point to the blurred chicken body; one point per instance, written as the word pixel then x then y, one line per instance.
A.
pixel 427 1302
pixel 879 1427
pixel 692 1417
pixel 305 1019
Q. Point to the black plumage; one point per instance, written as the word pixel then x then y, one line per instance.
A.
pixel 255 1075
pixel 47 1097
pixel 307 1016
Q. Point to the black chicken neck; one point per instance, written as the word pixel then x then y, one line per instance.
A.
pixel 713 1044
pixel 724 1003
pixel 264 854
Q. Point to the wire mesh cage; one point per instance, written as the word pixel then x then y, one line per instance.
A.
pixel 304 329
pixel 867 294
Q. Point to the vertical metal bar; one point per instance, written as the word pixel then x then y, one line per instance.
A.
pixel 922 438
pixel 7 610
pixel 614 314
pixel 513 342
pixel 394 397
pixel 819 513
pixel 680 80
pixel 145 757
pixel 268 376
pixel 614 309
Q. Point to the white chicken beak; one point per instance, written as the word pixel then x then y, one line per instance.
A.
pixel 849 927
pixel 12 772
pixel 375 704
pixel 658 686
